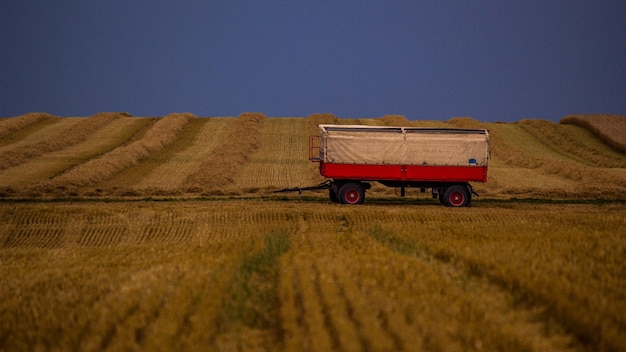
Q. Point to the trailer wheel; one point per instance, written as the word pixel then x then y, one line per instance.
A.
pixel 333 196
pixel 456 196
pixel 352 193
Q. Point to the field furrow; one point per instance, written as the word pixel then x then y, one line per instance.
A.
pixel 46 156
pixel 216 262
pixel 102 307
pixel 575 143
pixel 468 298
pixel 9 126
pixel 46 166
pixel 97 236
pixel 159 136
pixel 167 171
pixel 608 128
pixel 535 235
pixel 366 315
pixel 318 337
pixel 35 237
pixel 69 132
pixel 216 173
pixel 33 143
pixel 523 164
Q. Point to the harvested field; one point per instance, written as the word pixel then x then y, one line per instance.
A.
pixel 165 171
pixel 11 125
pixel 89 262
pixel 608 128
pixel 282 160
pixel 526 159
pixel 160 135
pixel 70 132
pixel 49 165
pixel 218 171
pixel 574 142
pixel 180 155
pixel 284 275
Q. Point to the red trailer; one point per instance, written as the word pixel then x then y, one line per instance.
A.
pixel 444 160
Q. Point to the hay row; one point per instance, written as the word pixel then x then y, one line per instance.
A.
pixel 251 153
pixel 10 125
pixel 160 135
pixel 516 145
pixel 49 165
pixel 547 161
pixel 558 137
pixel 220 169
pixel 609 128
pixel 166 171
pixel 319 119
pixel 395 120
pixel 75 134
pixel 281 159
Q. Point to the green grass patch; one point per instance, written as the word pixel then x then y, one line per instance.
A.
pixel 254 301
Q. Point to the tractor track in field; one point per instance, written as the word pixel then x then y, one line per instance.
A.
pixel 381 276
pixel 524 303
pixel 47 156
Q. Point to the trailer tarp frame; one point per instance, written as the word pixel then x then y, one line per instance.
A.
pixel 382 145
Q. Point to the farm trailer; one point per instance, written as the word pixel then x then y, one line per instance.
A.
pixel 444 160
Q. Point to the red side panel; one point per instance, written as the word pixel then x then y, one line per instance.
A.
pixel 411 173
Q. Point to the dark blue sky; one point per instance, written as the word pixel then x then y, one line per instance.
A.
pixel 491 60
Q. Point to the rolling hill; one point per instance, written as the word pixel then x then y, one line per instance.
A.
pixel 227 266
pixel 181 155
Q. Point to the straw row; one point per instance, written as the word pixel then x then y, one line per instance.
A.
pixel 160 135
pixel 220 169
pixel 579 147
pixel 609 128
pixel 10 125
pixel 74 134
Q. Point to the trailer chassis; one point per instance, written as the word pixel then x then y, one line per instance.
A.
pixel 353 191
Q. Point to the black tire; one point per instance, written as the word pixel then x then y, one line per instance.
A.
pixel 352 193
pixel 456 196
pixel 333 196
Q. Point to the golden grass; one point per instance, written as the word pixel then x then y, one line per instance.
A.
pixel 219 171
pixel 77 132
pixel 282 158
pixel 165 172
pixel 395 120
pixel 160 135
pixel 32 136
pixel 530 158
pixel 10 125
pixel 34 133
pixel 567 264
pixel 263 275
pixel 560 172
pixel 427 123
pixel 609 128
pixel 46 166
pixel 577 146
pixel 466 122
pixel 320 119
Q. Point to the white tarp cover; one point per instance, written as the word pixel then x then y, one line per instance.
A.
pixel 351 144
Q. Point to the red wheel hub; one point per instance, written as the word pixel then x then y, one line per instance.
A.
pixel 352 196
pixel 457 199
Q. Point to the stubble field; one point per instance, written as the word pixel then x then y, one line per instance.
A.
pixel 163 234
